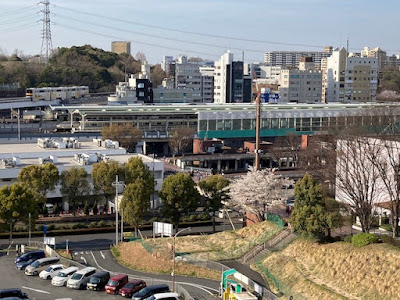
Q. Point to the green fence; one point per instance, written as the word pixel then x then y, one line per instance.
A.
pixel 276 219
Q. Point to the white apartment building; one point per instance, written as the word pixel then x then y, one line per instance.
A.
pixel 263 73
pixel 378 54
pixel 303 85
pixel 350 78
pixel 188 76
pixel 292 58
pixel 166 64
pixel 220 77
pixel 207 84
pixel 13 157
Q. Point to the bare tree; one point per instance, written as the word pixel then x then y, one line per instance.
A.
pixel 357 181
pixel 140 56
pixel 287 149
pixel 180 138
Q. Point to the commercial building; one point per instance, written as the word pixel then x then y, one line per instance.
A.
pixel 166 64
pixel 301 86
pixel 188 76
pixel 13 157
pixel 207 84
pixel 120 47
pixel 230 84
pixel 292 58
pixel 263 73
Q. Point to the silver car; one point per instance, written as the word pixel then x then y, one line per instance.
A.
pixel 80 278
pixel 62 277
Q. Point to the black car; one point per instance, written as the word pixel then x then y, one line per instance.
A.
pixel 13 294
pixel 23 264
pixel 32 254
pixel 98 281
pixel 150 291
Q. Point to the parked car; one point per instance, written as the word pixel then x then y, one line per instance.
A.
pixel 80 278
pixel 38 254
pixel 13 294
pixel 150 291
pixel 62 277
pixel 164 296
pixel 51 271
pixel 115 283
pixel 98 281
pixel 23 264
pixel 39 265
pixel 132 287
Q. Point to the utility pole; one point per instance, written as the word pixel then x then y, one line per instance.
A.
pixel 47 45
pixel 258 126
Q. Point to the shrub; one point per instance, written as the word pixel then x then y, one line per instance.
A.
pixel 387 227
pixel 93 225
pixel 51 227
pixel 204 217
pixel 102 224
pixel 95 209
pixel 86 209
pixel 363 239
pixel 79 226
pixel 192 218
pixel 348 238
pixel 39 228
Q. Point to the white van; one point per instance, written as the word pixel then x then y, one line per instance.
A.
pixel 80 278
pixel 39 265
pixel 164 296
pixel 51 271
pixel 62 277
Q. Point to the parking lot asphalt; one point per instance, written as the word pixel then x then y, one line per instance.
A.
pixel 40 289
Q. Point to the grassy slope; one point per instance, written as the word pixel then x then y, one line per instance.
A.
pixel 338 270
pixel 216 246
pixel 222 245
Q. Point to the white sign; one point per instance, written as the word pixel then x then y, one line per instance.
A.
pixel 49 241
pixel 162 228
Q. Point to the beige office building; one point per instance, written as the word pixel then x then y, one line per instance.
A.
pixel 120 47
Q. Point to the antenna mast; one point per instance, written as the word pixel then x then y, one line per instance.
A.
pixel 47 45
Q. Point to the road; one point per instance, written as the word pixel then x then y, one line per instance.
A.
pixel 103 241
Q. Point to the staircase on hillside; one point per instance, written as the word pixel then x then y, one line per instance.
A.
pixel 279 241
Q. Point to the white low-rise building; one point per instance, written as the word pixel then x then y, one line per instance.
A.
pixel 13 157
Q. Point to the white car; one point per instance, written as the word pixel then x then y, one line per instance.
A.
pixel 164 296
pixel 62 277
pixel 51 271
pixel 80 278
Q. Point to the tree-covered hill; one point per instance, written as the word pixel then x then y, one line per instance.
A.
pixel 84 65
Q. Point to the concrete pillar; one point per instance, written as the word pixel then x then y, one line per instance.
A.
pixel 236 165
pixel 219 166
pixel 144 148
pixel 165 149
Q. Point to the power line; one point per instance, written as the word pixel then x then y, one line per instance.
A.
pixel 158 36
pixel 17 11
pixel 192 32
pixel 135 41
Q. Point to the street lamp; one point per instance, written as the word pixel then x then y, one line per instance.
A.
pixel 116 184
pixel 173 257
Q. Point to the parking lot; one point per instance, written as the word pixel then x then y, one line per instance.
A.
pixel 38 288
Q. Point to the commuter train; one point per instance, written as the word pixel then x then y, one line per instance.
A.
pixel 54 93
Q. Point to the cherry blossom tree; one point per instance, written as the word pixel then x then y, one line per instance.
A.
pixel 256 192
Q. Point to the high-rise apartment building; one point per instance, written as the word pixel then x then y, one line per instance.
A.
pixel 207 84
pixel 303 85
pixel 292 58
pixel 230 84
pixel 166 63
pixel 351 78
pixel 378 54
pixel 120 47
pixel 188 76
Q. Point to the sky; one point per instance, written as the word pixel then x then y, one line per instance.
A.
pixel 203 28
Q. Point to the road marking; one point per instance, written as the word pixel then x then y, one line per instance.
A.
pixel 75 253
pixel 201 287
pixel 82 252
pixel 84 259
pixel 102 255
pixel 87 252
pixel 35 290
